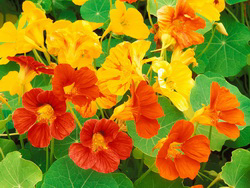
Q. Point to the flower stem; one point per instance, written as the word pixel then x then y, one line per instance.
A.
pixel 47 158
pixel 149 16
pixel 52 145
pixel 141 166
pixel 100 108
pixel 21 141
pixel 218 178
pixel 37 56
pixel 110 1
pixel 110 37
pixel 12 134
pixel 196 124
pixel 144 175
pixel 232 14
pixel 208 44
pixel 1 152
pixel 73 114
pixel 6 127
pixel 210 133
pixel 242 12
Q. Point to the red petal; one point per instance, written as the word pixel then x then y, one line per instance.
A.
pixel 214 92
pixel 80 100
pixel 235 116
pixel 108 128
pixel 197 148
pixel 87 132
pixel 106 161
pixel 39 135
pixel 228 129
pixel 30 101
pixel 187 167
pixel 152 111
pixel 46 71
pixel 146 94
pixel 64 75
pixel 122 145
pixel 182 130
pixel 62 126
pixel 166 168
pixel 82 156
pixel 147 128
pixel 48 97
pixel 23 120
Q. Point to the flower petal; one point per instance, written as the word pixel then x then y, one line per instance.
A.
pixel 181 130
pixel 166 168
pixel 62 126
pixel 87 132
pixel 235 116
pixel 228 129
pixel 197 148
pixel 39 135
pixel 23 120
pixel 82 156
pixel 30 101
pixel 122 145
pixel 187 167
pixel 147 128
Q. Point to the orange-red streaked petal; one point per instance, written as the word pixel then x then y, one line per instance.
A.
pixel 197 148
pixel 87 132
pixel 82 156
pixel 39 135
pixel 182 130
pixel 230 130
pixel 214 92
pixel 166 168
pixel 62 126
pixel 187 167
pixel 23 120
pixel 147 128
pixel 30 101
pixel 235 116
pixel 122 145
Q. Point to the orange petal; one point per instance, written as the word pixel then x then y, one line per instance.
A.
pixel 197 148
pixel 166 168
pixel 147 128
pixel 187 167
pixel 214 91
pixel 181 130
pixel 228 129
pixel 235 116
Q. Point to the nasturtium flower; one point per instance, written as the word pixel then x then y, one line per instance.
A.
pixel 74 43
pixel 79 2
pixel 143 108
pixel 174 81
pixel 180 23
pixel 127 22
pixel 123 65
pixel 44 116
pixel 130 1
pixel 77 86
pixel 210 9
pixel 181 154
pixel 19 82
pixel 222 112
pixel 101 146
pixel 185 57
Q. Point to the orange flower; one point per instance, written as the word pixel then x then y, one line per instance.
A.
pixel 181 23
pixel 223 106
pixel 129 1
pixel 144 108
pixel 181 155
pixel 197 186
pixel 78 86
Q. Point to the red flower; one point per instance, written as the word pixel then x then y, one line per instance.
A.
pixel 181 155
pixel 129 1
pixel 29 64
pixel 43 117
pixel 102 146
pixel 78 86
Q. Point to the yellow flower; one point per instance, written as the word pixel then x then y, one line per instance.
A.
pixel 127 22
pixel 186 57
pixel 79 2
pixel 210 9
pixel 174 81
pixel 123 65
pixel 74 43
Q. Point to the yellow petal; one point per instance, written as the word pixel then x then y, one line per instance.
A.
pixel 79 2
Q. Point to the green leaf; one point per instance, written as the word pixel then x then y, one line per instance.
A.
pixel 7 146
pixel 232 2
pixel 242 141
pixel 11 66
pixel 161 3
pixel 18 172
pixel 44 4
pixel 4 121
pixel 64 173
pixel 154 180
pixel 41 81
pixel 67 15
pixel 62 4
pixel 172 114
pixel 122 180
pixel 227 55
pixel 95 11
pixel 237 172
pixel 200 94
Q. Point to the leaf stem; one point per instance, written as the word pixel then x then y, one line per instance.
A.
pixel 218 178
pixel 210 133
pixel 47 158
pixel 100 108
pixel 110 1
pixel 37 56
pixel 73 114
pixel 196 124
pixel 149 16
pixel 6 127
pixel 1 151
pixel 242 12
pixel 110 37
pixel 141 166
pixel 232 14
pixel 208 44
pixel 144 175
pixel 52 145
pixel 21 141
pixel 11 134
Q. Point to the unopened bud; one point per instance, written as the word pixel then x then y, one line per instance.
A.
pixel 220 27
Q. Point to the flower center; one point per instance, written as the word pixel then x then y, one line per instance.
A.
pixel 216 2
pixel 70 89
pixel 45 113
pixel 174 150
pixel 98 142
